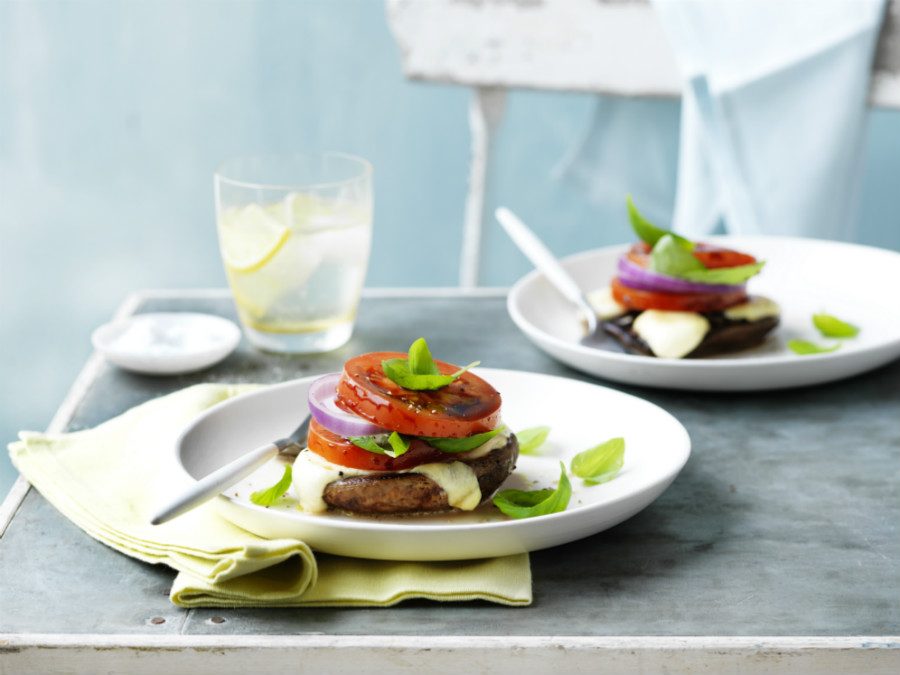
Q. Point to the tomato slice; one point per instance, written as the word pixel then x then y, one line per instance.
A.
pixel 465 407
pixel 636 299
pixel 714 256
pixel 639 254
pixel 711 256
pixel 339 450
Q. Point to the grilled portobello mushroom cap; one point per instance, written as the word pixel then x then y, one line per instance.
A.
pixel 725 335
pixel 408 493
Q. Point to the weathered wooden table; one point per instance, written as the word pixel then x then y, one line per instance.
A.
pixel 776 549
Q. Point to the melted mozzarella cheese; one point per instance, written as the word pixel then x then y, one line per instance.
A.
pixel 456 479
pixel 671 335
pixel 756 308
pixel 312 474
pixel 604 304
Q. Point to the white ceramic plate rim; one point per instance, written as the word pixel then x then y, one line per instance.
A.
pixel 512 305
pixel 681 443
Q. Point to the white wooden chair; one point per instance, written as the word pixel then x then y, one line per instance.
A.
pixel 599 46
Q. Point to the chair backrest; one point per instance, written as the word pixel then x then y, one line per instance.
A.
pixel 603 46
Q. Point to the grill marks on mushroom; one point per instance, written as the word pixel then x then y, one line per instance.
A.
pixel 404 493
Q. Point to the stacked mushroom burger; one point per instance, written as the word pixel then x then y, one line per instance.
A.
pixel 674 298
pixel 402 434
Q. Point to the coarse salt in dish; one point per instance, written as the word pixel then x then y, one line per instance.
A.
pixel 166 343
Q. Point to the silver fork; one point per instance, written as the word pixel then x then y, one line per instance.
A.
pixel 224 477
pixel 546 263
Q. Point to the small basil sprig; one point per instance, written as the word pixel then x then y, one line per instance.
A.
pixel 669 257
pixel 466 444
pixel 419 359
pixel 829 326
pixel 392 445
pixel 650 233
pixel 600 463
pixel 418 371
pixel 531 439
pixel 731 276
pixel 833 327
pixel 805 347
pixel 531 503
pixel 672 255
pixel 395 444
pixel 270 495
pixel 398 444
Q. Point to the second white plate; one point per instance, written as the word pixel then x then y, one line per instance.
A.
pixel 580 415
pixel 805 276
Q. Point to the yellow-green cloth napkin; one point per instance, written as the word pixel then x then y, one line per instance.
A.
pixel 108 480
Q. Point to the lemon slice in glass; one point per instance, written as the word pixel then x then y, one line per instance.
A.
pixel 250 237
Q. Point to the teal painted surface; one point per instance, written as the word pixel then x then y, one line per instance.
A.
pixel 114 116
pixel 766 533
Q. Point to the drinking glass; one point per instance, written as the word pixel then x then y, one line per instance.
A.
pixel 295 234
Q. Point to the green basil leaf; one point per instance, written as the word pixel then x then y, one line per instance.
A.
pixel 724 275
pixel 269 496
pixel 670 257
pixel 531 439
pixel 370 443
pixel 600 463
pixel 805 347
pixel 420 361
pixel 398 371
pixel 398 444
pixel 831 326
pixel 392 445
pixel 528 504
pixel 466 444
pixel 647 231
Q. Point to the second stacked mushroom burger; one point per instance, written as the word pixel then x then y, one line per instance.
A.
pixel 401 433
pixel 675 298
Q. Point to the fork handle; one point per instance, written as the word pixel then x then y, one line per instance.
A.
pixel 546 263
pixel 210 485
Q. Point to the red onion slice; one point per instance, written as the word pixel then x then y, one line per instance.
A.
pixel 322 407
pixel 644 280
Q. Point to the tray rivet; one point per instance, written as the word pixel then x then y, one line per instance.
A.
pixel 218 619
pixel 156 620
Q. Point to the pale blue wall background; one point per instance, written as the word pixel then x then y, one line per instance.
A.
pixel 113 116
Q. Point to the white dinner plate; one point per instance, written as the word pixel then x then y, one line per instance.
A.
pixel 805 276
pixel 580 415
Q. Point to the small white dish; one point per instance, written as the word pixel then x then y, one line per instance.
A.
pixel 804 276
pixel 166 343
pixel 580 415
